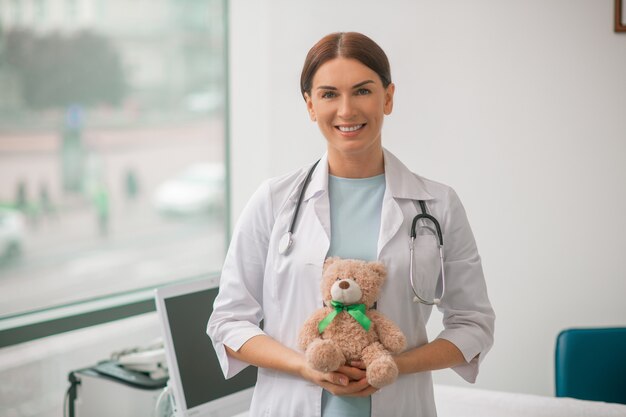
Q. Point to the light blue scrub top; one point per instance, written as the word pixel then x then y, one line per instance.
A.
pixel 355 207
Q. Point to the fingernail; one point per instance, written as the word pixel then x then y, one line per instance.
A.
pixel 343 381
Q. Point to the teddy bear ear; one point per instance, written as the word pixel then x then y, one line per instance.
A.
pixel 329 261
pixel 379 268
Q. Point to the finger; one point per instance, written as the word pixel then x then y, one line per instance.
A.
pixel 365 392
pixel 354 388
pixel 351 372
pixel 337 378
pixel 358 364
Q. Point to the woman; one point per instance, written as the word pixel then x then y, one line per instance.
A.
pixel 359 203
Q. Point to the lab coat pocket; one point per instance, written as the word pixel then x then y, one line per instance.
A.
pixel 295 275
pixel 426 266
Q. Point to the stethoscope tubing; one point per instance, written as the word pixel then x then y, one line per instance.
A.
pixel 286 241
pixel 425 216
pixel 301 196
pixel 435 301
pixel 432 219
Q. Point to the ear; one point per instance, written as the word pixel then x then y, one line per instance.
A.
pixel 389 91
pixel 329 261
pixel 309 107
pixel 378 268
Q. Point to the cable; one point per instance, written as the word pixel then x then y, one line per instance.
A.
pixel 65 403
pixel 304 186
pixel 164 391
pixel 70 395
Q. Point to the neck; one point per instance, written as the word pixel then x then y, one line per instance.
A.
pixel 361 165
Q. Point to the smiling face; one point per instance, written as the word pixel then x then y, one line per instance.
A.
pixel 348 102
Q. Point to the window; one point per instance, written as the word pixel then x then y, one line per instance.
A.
pixel 39 11
pixel 112 148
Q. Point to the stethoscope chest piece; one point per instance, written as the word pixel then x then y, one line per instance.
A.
pixel 284 244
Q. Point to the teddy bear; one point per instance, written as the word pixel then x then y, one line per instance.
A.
pixel 347 328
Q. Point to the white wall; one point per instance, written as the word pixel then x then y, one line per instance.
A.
pixel 519 105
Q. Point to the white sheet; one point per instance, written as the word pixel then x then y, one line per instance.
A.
pixel 472 402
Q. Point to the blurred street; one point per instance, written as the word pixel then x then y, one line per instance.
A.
pixel 67 260
pixel 69 254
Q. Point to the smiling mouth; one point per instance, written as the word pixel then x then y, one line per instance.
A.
pixel 352 128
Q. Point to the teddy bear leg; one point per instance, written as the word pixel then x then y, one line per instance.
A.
pixel 324 355
pixel 381 369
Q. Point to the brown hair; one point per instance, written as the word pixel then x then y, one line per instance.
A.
pixel 352 45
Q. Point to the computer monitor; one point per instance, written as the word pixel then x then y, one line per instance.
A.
pixel 197 381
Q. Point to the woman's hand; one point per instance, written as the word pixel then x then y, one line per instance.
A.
pixel 355 371
pixel 347 380
pixel 265 352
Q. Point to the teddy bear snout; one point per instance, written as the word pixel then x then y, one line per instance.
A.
pixel 346 291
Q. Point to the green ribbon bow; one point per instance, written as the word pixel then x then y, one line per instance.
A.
pixel 355 310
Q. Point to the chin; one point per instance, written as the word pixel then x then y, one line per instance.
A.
pixel 355 145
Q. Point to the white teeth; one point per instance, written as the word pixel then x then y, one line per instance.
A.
pixel 349 128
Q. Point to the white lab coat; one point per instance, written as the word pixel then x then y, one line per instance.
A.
pixel 257 283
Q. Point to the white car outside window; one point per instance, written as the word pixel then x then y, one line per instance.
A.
pixel 198 190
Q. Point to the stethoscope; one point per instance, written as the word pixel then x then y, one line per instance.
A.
pixel 286 241
pixel 425 216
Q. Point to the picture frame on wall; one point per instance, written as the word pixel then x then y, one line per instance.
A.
pixel 620 15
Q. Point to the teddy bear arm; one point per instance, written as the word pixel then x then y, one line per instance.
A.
pixel 309 331
pixel 389 333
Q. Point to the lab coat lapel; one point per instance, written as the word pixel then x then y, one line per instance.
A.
pixel 316 195
pixel 322 212
pixel 391 219
pixel 400 183
pixel 319 237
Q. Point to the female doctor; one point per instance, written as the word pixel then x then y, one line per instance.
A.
pixel 359 201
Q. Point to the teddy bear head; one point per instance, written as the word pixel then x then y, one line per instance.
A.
pixel 352 281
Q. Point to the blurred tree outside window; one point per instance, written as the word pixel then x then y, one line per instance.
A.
pixel 112 146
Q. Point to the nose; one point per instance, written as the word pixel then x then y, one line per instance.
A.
pixel 344 285
pixel 346 108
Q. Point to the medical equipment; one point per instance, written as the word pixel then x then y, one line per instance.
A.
pixel 286 241
pixel 198 385
pixel 425 216
pixel 108 389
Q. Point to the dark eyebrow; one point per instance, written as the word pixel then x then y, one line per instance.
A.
pixel 361 84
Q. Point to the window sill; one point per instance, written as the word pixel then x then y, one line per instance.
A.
pixel 42 323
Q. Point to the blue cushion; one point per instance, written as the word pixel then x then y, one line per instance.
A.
pixel 590 364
